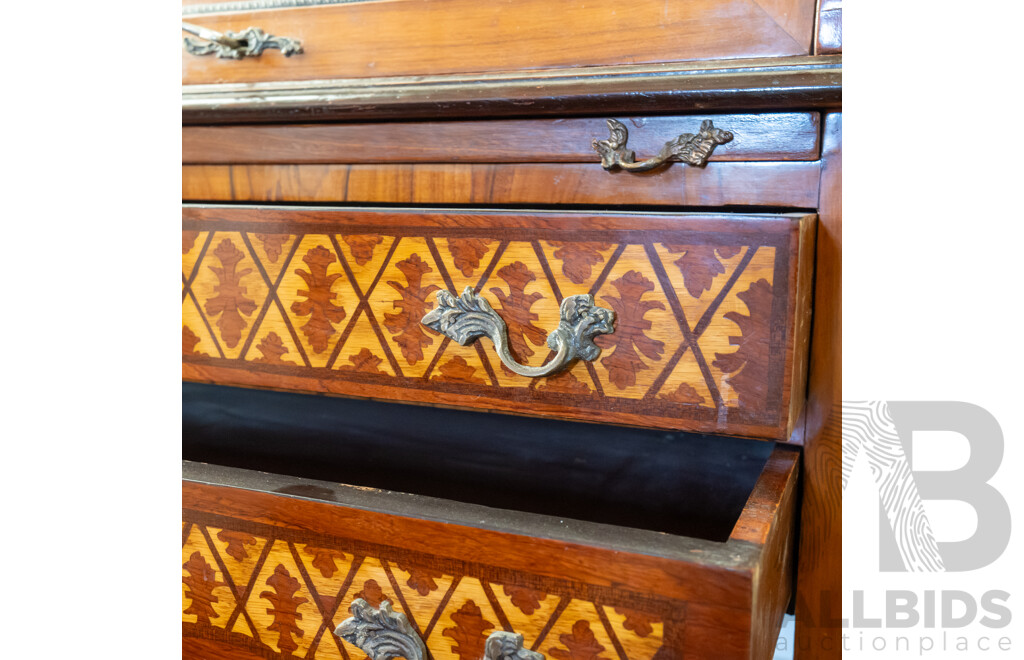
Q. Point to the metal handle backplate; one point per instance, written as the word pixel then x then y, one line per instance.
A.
pixel 687 148
pixel 384 634
pixel 236 45
pixel 468 317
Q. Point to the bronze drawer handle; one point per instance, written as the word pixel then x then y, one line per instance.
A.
pixel 236 45
pixel 470 317
pixel 384 634
pixel 687 148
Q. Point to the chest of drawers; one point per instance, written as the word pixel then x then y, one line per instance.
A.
pixel 406 149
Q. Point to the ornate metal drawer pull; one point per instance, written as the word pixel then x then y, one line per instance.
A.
pixel 384 634
pixel 236 45
pixel 469 317
pixel 687 148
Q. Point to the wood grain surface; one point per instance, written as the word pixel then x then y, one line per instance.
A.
pixel 266 574
pixel 779 136
pixel 331 301
pixel 413 37
pixel 791 185
pixel 819 584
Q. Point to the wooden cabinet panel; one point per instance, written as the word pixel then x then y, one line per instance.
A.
pixel 788 185
pixel 711 311
pixel 413 37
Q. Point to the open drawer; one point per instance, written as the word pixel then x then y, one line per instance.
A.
pixel 271 564
pixel 610 543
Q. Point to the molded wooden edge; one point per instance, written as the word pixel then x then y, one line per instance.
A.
pixel 600 555
pixel 780 83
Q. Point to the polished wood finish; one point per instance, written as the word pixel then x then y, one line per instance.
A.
pixel 819 587
pixel 516 70
pixel 829 32
pixel 317 546
pixel 711 311
pixel 756 137
pixel 412 37
pixel 784 185
pixel 773 84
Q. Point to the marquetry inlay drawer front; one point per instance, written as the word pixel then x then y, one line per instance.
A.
pixel 266 574
pixel 361 38
pixel 710 311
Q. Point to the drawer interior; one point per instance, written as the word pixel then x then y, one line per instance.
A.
pixel 680 483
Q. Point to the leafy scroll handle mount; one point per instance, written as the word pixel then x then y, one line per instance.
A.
pixel 468 317
pixel 235 45
pixel 384 634
pixel 687 148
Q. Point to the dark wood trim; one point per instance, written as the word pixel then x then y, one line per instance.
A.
pixel 780 83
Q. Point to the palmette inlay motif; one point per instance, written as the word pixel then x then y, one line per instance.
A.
pixel 384 634
pixel 277 594
pixel 470 317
